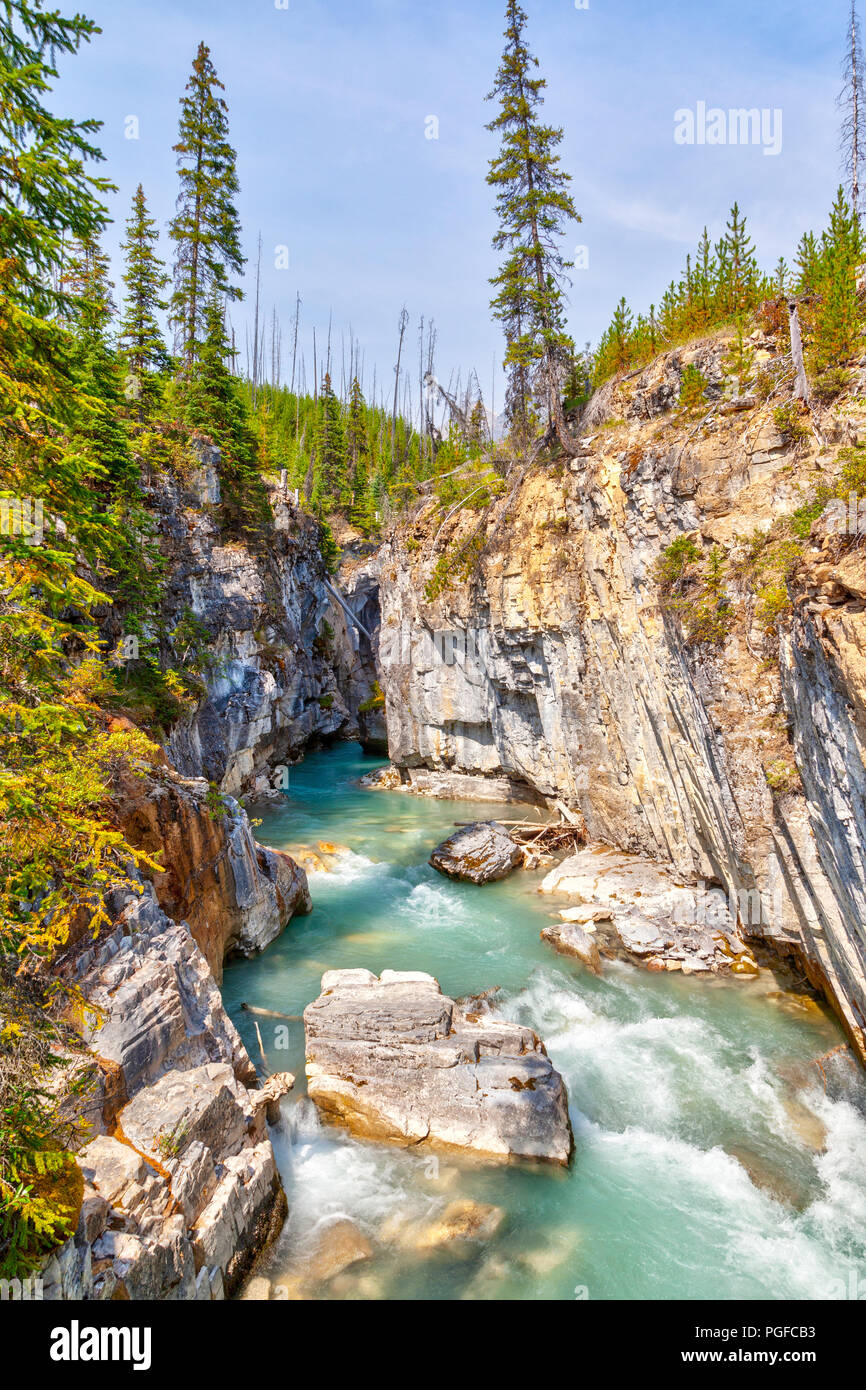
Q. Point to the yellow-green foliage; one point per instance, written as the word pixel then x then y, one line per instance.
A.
pixel 766 566
pixel 693 388
pixel 376 700
pixel 693 588
pixel 675 562
pixel 783 777
pixel 790 422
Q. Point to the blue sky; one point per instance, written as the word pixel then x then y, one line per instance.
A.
pixel 328 102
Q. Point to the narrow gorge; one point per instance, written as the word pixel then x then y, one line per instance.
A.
pixel 432 758
pixel 556 676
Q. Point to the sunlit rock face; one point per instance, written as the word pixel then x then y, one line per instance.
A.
pixel 394 1059
pixel 235 895
pixel 181 1189
pixel 556 667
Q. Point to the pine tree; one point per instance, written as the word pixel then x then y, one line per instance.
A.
pixel 781 278
pixel 807 262
pixel 358 460
pixel 838 332
pixel 706 278
pixel 213 404
pixel 140 339
pixel 99 377
pixel 534 208
pixel 330 487
pixel 739 277
pixel 46 196
pixel 206 228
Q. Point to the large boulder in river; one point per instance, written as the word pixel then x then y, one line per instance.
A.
pixel 395 1059
pixel 480 853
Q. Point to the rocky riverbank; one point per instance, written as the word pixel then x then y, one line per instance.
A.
pixel 180 1187
pixel 181 1190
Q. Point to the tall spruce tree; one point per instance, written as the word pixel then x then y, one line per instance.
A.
pixel 140 340
pixel 330 485
pixel 206 228
pixel 534 209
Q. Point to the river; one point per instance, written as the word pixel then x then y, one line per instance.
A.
pixel 704 1168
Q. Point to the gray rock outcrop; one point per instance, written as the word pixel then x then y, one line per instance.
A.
pixel 481 853
pixel 181 1186
pixel 641 909
pixel 394 1059
pixel 739 761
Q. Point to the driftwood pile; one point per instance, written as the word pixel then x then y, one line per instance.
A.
pixel 539 842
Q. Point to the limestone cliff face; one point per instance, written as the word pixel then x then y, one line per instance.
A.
pixel 181 1188
pixel 235 895
pixel 558 666
pixel 283 664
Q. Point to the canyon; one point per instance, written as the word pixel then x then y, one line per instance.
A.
pixel 553 674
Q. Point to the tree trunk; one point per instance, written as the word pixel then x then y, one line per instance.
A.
pixel 801 381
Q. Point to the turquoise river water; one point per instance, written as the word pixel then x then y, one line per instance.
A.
pixel 705 1167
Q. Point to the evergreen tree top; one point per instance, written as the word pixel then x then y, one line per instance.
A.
pixel 46 194
pixel 206 226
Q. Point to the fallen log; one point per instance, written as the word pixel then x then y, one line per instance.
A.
pixel 270 1013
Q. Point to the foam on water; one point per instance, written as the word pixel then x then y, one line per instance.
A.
pixel 701 1170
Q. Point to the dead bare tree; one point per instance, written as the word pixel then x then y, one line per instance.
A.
pixel 295 346
pixel 404 324
pixel 801 380
pixel 852 103
pixel 256 342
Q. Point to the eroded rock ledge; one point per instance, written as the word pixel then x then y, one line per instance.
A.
pixel 626 905
pixel 395 1059
pixel 181 1186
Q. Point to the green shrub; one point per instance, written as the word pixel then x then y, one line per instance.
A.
pixel 783 778
pixel 376 700
pixel 674 563
pixel 790 423
pixel 693 388
pixel 831 383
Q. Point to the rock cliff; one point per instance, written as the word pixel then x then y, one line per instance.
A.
pixel 234 895
pixel 181 1187
pixel 282 664
pixel 722 734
